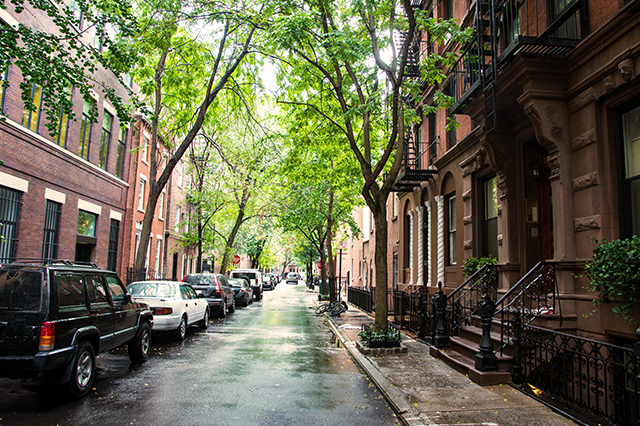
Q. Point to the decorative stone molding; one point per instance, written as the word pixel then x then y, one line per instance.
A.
pixel 468 244
pixel 499 209
pixel 473 163
pixel 582 100
pixel 500 239
pixel 583 140
pixel 554 166
pixel 609 84
pixel 586 181
pixel 467 219
pixel 466 195
pixel 501 182
pixel 627 70
pixel 587 223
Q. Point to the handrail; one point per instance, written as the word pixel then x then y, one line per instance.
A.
pixel 462 303
pixel 535 294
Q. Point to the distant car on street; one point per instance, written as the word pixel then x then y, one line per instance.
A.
pixel 293 278
pixel 268 281
pixel 175 305
pixel 243 291
pixel 214 288
pixel 255 280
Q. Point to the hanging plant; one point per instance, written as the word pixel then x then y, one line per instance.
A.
pixel 614 273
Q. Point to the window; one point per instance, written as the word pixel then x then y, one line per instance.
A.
pixel 145 149
pixel 451 133
pixel 105 140
pixel 141 189
pixel 63 123
pixel 569 29
pixel 87 223
pixel 95 290
pixel 417 132
pixel 51 227
pixel 448 11
pixel 433 137
pixel 112 257
pixel 490 217
pixel 116 289
pixel 70 290
pixel 178 218
pixel 180 174
pixel 9 209
pixel 4 78
pixel 122 140
pixel 85 130
pixel 451 229
pixel 158 257
pixel 74 7
pixel 31 113
pixel 161 206
pixel 631 176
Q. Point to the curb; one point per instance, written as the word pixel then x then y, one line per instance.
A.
pixel 396 400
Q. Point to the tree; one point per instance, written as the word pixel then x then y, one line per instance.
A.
pixel 194 50
pixel 343 66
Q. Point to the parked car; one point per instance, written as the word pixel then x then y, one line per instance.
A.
pixel 255 280
pixel 268 281
pixel 293 278
pixel 215 289
pixel 243 291
pixel 55 317
pixel 175 305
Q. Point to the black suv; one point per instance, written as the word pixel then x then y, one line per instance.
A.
pixel 55 317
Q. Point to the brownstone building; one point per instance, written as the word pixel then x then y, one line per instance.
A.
pixel 62 196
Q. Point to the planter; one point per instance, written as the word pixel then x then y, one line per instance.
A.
pixel 398 349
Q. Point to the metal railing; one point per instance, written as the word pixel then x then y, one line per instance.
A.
pixel 413 311
pixel 144 274
pixel 361 297
pixel 462 303
pixel 598 379
pixel 533 295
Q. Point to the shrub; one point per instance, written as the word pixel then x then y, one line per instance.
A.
pixel 372 338
pixel 614 273
pixel 473 264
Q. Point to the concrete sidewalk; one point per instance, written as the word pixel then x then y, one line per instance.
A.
pixel 425 391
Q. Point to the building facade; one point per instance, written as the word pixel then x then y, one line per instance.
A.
pixel 545 158
pixel 63 196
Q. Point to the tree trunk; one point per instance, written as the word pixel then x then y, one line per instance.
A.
pixel 381 235
pixel 331 260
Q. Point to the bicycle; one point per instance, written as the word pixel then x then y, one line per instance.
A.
pixel 339 308
pixel 326 307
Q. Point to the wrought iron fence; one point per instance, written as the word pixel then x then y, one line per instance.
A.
pixel 144 274
pixel 599 379
pixel 413 311
pixel 361 297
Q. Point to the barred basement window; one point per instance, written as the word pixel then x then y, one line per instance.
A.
pixel 51 228
pixel 9 209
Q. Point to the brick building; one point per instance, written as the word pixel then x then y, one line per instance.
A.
pixel 62 196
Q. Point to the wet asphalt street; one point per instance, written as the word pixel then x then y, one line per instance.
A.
pixel 271 363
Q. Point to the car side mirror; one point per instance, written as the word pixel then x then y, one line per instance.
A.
pixel 200 295
pixel 127 298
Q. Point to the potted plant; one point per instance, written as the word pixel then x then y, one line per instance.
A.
pixel 473 264
pixel 614 273
pixel 388 338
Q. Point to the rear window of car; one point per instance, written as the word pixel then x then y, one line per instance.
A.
pixel 20 290
pixel 70 290
pixel 200 279
pixel 151 290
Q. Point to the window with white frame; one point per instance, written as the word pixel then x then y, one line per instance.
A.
pixel 161 206
pixel 141 189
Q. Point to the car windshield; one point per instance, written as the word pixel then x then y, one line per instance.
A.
pixel 200 279
pixel 146 289
pixel 234 282
pixel 20 289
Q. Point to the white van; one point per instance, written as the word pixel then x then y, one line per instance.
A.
pixel 255 279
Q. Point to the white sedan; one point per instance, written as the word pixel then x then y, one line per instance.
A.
pixel 175 305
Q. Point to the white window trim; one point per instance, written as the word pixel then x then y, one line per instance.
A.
pixel 53 195
pixel 141 196
pixel 89 207
pixel 14 182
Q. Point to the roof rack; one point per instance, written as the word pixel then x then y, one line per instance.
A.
pixel 46 261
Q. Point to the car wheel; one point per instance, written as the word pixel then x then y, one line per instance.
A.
pixel 139 347
pixel 181 331
pixel 232 309
pixel 249 300
pixel 83 372
pixel 205 321
pixel 222 312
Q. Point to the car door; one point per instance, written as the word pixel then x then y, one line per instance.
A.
pixel 200 305
pixel 72 306
pixel 100 309
pixel 125 313
pixel 189 305
pixel 227 291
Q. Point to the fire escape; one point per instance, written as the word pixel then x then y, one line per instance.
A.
pixel 505 29
pixel 414 168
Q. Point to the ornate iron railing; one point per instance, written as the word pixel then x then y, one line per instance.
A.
pixel 600 379
pixel 462 303
pixel 533 295
pixel 361 297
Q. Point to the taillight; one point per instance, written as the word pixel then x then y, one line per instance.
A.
pixel 162 311
pixel 47 336
pixel 242 290
pixel 217 290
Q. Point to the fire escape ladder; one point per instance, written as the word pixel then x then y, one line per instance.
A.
pixel 487 44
